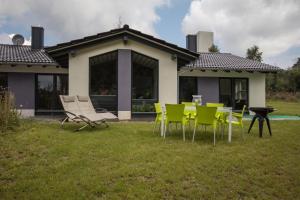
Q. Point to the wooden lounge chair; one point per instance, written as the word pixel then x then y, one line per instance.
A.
pixel 79 111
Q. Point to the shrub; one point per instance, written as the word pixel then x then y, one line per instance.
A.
pixel 9 116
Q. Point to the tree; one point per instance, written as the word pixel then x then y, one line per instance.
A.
pixel 297 64
pixel 253 53
pixel 214 49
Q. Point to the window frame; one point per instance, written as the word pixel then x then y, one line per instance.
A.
pixel 232 84
pixel 36 99
pixel 157 85
pixel 117 80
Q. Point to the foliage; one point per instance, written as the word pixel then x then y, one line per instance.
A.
pixel 253 53
pixel 297 64
pixel 144 107
pixel 128 161
pixel 214 49
pixel 9 116
pixel 285 81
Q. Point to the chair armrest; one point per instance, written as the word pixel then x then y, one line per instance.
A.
pixel 237 115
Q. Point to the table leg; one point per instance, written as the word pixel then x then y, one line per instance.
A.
pixel 162 125
pixel 269 126
pixel 261 125
pixel 252 122
pixel 230 126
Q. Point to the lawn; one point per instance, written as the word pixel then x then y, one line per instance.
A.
pixel 128 161
pixel 285 108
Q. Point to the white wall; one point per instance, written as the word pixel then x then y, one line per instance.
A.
pixel 257 92
pixel 79 68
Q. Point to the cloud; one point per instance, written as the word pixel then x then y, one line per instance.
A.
pixel 273 25
pixel 70 19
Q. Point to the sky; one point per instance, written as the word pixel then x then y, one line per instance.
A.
pixel 273 25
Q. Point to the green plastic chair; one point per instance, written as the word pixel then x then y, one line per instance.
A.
pixel 190 113
pixel 219 115
pixel 206 116
pixel 158 118
pixel 175 114
pixel 215 104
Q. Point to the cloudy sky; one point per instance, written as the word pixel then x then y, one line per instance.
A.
pixel 273 25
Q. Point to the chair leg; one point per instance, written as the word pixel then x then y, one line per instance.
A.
pixel 63 121
pixel 106 124
pixel 183 130
pixel 154 127
pixel 195 127
pixel 214 137
pixel 166 126
pixel 242 126
pixel 82 127
pixel 222 130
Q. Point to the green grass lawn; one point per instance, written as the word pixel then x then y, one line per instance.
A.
pixel 285 108
pixel 128 161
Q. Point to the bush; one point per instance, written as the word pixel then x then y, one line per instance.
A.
pixel 9 116
pixel 283 96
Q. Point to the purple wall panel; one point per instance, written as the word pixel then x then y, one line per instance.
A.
pixel 23 87
pixel 208 87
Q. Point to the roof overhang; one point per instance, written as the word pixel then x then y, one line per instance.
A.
pixel 222 69
pixel 124 34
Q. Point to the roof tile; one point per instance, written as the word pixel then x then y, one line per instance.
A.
pixel 227 61
pixel 24 54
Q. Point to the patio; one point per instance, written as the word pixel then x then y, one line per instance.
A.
pixel 128 161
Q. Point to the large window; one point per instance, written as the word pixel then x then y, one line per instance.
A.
pixel 187 88
pixel 103 81
pixel 48 89
pixel 234 92
pixel 3 81
pixel 144 83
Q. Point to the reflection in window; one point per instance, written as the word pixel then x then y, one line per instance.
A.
pixel 225 91
pixel 103 81
pixel 144 83
pixel 234 92
pixel 48 89
pixel 240 93
pixel 187 88
pixel 3 81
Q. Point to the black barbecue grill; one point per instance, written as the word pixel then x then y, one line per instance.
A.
pixel 261 113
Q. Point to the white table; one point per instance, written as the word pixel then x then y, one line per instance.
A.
pixel 220 109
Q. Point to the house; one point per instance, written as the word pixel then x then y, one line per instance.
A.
pixel 126 71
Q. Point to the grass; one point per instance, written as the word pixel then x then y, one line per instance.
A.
pixel 285 108
pixel 128 161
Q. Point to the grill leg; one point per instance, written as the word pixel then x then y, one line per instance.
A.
pixel 261 126
pixel 252 122
pixel 269 126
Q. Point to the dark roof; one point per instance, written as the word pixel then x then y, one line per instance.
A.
pixel 227 61
pixel 21 54
pixel 125 31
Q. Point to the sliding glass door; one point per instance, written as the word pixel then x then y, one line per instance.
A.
pixel 103 81
pixel 234 92
pixel 48 89
pixel 144 83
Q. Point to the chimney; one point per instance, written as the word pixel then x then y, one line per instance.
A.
pixel 191 42
pixel 200 42
pixel 37 37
